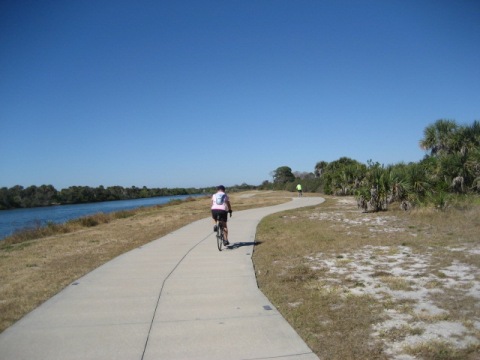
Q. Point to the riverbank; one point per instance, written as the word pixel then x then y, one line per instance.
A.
pixel 25 223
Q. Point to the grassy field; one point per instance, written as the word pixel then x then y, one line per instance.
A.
pixel 382 285
pixel 354 285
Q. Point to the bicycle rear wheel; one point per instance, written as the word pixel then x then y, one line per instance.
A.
pixel 219 239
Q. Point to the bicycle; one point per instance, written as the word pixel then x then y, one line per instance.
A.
pixel 220 233
pixel 221 225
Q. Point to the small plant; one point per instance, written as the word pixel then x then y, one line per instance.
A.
pixel 400 333
pixel 396 283
pixel 433 284
pixel 441 350
pixel 124 214
pixel 94 220
pixel 440 200
pixel 300 273
pixel 440 274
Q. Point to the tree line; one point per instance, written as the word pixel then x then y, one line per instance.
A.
pixel 451 166
pixel 46 195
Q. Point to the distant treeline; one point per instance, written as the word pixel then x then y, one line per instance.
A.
pixel 46 195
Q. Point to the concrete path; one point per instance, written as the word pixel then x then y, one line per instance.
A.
pixel 175 298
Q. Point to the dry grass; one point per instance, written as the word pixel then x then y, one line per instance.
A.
pixel 32 271
pixel 387 285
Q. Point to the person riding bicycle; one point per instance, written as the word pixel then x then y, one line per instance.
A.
pixel 221 207
pixel 299 190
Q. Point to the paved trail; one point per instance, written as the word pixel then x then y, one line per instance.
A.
pixel 177 297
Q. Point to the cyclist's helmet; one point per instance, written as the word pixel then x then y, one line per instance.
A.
pixel 221 187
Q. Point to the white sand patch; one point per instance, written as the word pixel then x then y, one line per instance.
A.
pixel 373 267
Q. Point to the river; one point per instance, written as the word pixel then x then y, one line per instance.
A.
pixel 13 220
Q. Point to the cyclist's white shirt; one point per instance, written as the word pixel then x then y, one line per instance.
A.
pixel 223 206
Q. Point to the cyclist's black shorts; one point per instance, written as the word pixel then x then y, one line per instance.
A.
pixel 222 213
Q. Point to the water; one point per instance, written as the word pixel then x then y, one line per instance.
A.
pixel 12 220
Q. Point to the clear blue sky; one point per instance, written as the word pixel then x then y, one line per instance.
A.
pixel 197 93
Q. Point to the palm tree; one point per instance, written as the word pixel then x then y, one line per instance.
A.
pixel 378 182
pixel 398 180
pixel 472 169
pixel 438 137
pixel 417 179
pixel 320 168
pixel 469 138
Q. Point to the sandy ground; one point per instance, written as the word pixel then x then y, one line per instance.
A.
pixel 399 275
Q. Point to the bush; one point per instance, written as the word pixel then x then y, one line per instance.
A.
pixel 94 220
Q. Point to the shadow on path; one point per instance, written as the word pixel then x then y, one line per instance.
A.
pixel 242 244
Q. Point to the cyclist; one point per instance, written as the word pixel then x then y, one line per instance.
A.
pixel 299 189
pixel 221 207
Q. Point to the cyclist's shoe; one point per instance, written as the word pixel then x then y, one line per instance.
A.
pixel 225 243
pixel 215 228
